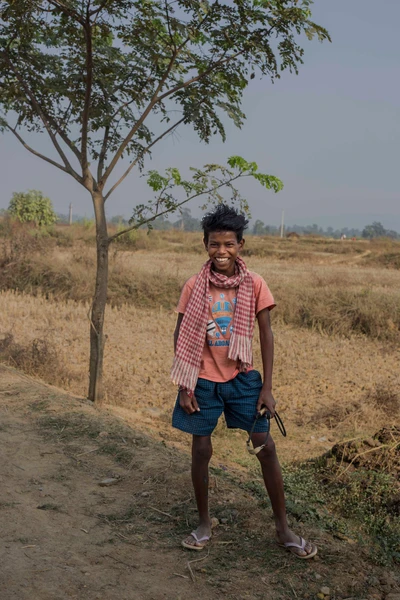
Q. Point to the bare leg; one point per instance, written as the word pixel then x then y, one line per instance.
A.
pixel 201 455
pixel 273 480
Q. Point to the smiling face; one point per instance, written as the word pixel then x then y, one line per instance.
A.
pixel 223 248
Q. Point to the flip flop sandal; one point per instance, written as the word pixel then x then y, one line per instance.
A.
pixel 292 546
pixel 205 539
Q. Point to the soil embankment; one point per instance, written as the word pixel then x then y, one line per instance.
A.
pixel 64 535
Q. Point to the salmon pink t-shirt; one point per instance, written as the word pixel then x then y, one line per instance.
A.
pixel 215 364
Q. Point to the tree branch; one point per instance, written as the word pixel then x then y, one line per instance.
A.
pixel 40 7
pixel 43 117
pixel 103 151
pixel 67 11
pixel 97 10
pixel 185 84
pixel 46 158
pixel 150 106
pixel 62 133
pixel 134 162
pixel 138 123
pixel 88 94
pixel 64 136
pixel 171 37
pixel 168 210
pixel 155 100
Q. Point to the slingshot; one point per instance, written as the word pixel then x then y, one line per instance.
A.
pixel 279 422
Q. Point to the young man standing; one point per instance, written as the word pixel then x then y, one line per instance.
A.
pixel 213 367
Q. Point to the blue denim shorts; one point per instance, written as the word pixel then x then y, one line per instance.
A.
pixel 236 398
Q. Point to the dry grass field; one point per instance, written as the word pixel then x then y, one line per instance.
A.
pixel 336 326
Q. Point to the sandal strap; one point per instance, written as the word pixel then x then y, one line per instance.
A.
pixel 205 538
pixel 300 546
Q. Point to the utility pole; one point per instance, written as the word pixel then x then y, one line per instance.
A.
pixel 282 223
pixel 70 214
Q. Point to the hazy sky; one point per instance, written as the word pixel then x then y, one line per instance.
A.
pixel 332 133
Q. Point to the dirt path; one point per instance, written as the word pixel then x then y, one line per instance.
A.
pixel 65 536
pixel 346 259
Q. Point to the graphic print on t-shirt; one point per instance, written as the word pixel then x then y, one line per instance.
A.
pixel 219 328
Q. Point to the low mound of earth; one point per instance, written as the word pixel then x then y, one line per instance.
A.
pixel 92 509
pixel 369 470
pixel 380 452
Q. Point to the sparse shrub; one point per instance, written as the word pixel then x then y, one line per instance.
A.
pixel 88 224
pixel 128 240
pixel 390 259
pixel 63 236
pixel 38 358
pixel 19 241
pixel 143 289
pixel 341 311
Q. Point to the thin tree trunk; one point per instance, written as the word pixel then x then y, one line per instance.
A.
pixel 96 391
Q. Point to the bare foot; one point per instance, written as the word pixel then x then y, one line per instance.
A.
pixel 295 544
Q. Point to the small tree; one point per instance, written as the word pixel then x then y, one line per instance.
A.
pixel 374 231
pixel 107 79
pixel 162 223
pixel 187 222
pixel 32 207
pixel 258 227
pixel 118 220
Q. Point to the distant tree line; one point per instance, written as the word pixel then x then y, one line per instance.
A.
pixel 185 222
pixel 33 206
pixel 375 230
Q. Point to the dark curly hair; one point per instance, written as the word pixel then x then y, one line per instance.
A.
pixel 224 218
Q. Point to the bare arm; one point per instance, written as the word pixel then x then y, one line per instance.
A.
pixel 267 353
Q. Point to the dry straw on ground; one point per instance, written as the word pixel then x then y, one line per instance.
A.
pixel 323 384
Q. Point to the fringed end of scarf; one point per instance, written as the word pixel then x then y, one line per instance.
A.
pixel 184 376
pixel 241 349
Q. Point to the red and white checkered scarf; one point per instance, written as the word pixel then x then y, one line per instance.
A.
pixel 192 332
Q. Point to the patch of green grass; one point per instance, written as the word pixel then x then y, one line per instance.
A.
pixel 389 259
pixel 364 506
pixel 118 453
pixel 219 472
pixel 39 405
pixel 8 504
pixel 49 506
pixel 71 426
pixel 60 476
pixel 364 502
pixel 257 490
pixel 373 499
pixel 126 516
